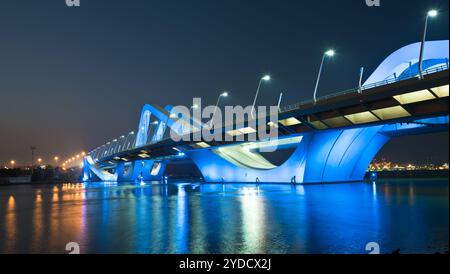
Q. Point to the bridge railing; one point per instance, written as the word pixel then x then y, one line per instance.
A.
pixel 390 80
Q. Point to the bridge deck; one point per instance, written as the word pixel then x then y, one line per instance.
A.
pixel 401 101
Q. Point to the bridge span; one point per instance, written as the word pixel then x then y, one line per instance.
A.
pixel 331 140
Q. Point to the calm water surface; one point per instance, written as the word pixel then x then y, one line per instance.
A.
pixel 410 215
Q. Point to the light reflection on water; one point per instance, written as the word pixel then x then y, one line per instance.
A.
pixel 185 217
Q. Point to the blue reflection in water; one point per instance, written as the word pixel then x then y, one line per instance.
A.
pixel 189 217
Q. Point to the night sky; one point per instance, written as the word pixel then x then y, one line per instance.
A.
pixel 73 78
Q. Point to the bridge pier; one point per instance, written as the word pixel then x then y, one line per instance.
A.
pixel 320 157
pixel 147 170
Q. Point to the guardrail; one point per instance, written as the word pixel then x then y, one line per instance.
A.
pixel 388 81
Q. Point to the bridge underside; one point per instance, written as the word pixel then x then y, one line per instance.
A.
pixel 339 155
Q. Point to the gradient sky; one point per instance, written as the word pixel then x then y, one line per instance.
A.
pixel 74 78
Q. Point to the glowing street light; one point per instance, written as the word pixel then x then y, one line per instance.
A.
pixel 12 162
pixel 328 53
pixel 39 160
pixel 430 14
pixel 264 78
pixel 223 94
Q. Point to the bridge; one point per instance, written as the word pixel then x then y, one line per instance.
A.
pixel 333 139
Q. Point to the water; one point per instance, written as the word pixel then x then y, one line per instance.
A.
pixel 410 215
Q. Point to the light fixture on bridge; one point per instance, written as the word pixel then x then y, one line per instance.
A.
pixel 292 121
pixel 441 91
pixel 362 117
pixel 414 97
pixel 223 94
pixel 143 155
pixel 272 124
pixel 202 145
pixel 329 53
pixel 264 78
pixel 391 113
pixel 430 14
pixel 245 130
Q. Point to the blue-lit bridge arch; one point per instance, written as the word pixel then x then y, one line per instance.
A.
pixel 334 140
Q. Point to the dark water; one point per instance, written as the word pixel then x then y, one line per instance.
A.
pixel 410 215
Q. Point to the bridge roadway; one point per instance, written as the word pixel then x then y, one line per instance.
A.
pixel 399 102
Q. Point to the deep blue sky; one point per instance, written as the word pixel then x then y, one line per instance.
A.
pixel 72 78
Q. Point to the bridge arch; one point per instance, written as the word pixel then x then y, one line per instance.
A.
pixel 405 61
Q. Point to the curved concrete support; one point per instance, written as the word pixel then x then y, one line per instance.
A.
pixel 129 171
pixel 89 167
pixel 153 170
pixel 320 157
pixel 147 170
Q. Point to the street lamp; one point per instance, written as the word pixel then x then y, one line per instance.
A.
pixel 223 94
pixel 12 162
pixel 431 13
pixel 328 53
pixel 264 78
pixel 39 160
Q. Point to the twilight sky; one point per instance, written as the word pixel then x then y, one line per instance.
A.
pixel 74 78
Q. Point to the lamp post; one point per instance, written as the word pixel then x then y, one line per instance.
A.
pixel 223 94
pixel 264 78
pixel 431 13
pixel 56 158
pixel 12 162
pixel 328 53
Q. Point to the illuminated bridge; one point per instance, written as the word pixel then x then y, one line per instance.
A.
pixel 331 140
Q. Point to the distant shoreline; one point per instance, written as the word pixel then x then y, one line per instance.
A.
pixel 395 174
pixel 385 174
